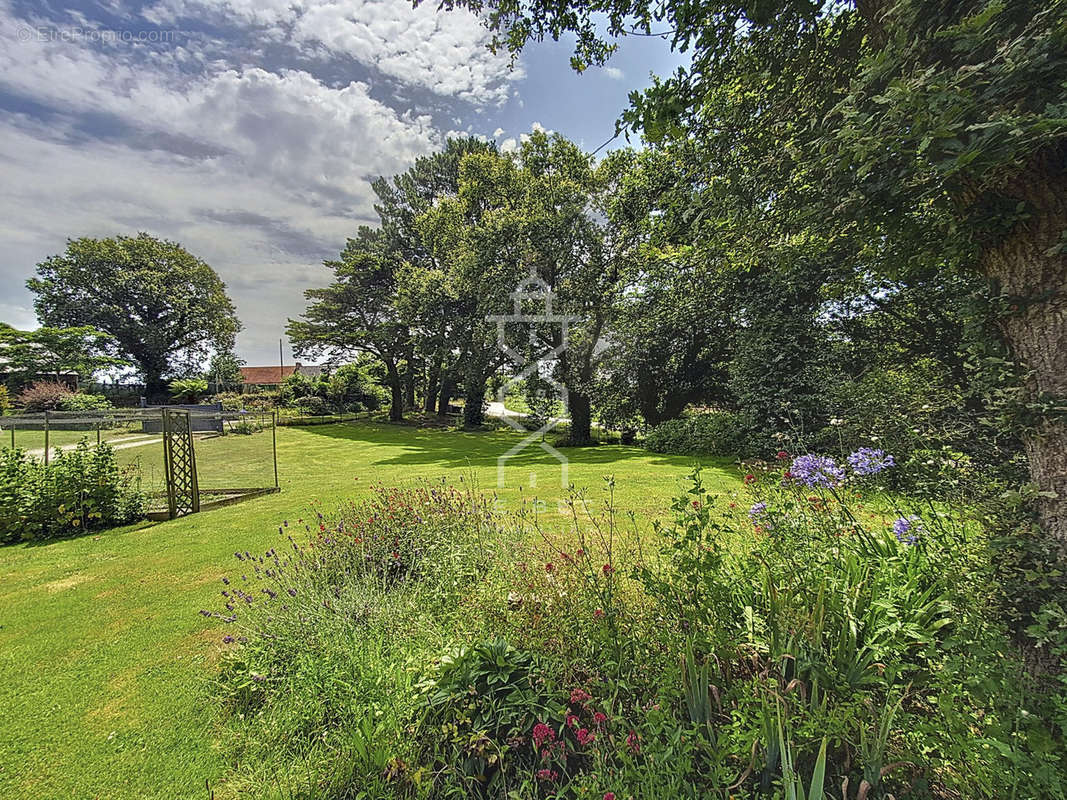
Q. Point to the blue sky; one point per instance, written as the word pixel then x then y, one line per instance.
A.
pixel 249 130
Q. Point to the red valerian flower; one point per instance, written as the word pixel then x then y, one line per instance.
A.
pixel 599 718
pixel 585 737
pixel 750 478
pixel 598 613
pixel 608 569
pixel 547 775
pixel 572 721
pixel 633 742
pixel 609 795
pixel 542 733
pixel 549 566
pixel 580 697
pixel 782 455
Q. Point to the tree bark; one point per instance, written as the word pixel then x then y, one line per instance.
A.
pixel 444 397
pixel 581 412
pixel 433 382
pixel 1028 268
pixel 396 388
pixel 473 402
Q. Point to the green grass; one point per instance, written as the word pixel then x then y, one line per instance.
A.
pixel 104 662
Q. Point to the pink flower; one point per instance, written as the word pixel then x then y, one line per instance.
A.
pixel 633 742
pixel 580 697
pixel 547 775
pixel 585 737
pixel 609 795
pixel 599 718
pixel 542 733
pixel 572 721
pixel 549 567
pixel 598 613
pixel 608 569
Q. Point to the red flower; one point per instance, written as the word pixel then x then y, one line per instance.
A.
pixel 633 742
pixel 600 718
pixel 572 721
pixel 549 567
pixel 580 697
pixel 696 504
pixel 750 478
pixel 585 737
pixel 542 733
pixel 782 455
pixel 598 613
pixel 579 552
pixel 547 775
pixel 608 569
pixel 609 795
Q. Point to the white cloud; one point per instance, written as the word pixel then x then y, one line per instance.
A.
pixel 498 132
pixel 509 145
pixel 444 52
pixel 260 173
pixel 614 73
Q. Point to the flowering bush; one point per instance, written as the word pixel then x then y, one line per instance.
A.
pixel 44 396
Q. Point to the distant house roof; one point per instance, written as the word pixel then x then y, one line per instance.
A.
pixel 265 375
pixel 268 376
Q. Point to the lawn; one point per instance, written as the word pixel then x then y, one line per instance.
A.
pixel 104 661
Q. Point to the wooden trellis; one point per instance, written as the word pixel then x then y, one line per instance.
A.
pixel 179 460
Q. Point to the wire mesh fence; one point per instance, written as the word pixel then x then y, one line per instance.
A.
pixel 234 453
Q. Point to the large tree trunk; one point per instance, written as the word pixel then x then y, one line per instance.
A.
pixel 433 382
pixel 581 412
pixel 1029 270
pixel 473 401
pixel 396 390
pixel 155 388
pixel 444 397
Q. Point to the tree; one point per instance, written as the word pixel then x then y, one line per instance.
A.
pixel 225 371
pixel 165 308
pixel 357 313
pixel 885 109
pixel 55 352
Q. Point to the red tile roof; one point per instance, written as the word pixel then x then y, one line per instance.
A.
pixel 266 375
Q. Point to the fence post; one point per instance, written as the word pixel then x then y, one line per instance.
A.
pixel 274 443
pixel 46 438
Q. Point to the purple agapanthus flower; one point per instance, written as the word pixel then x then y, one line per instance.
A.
pixel 757 510
pixel 869 461
pixel 816 471
pixel 906 529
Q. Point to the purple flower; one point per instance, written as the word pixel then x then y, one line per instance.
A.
pixel 906 529
pixel 868 461
pixel 757 510
pixel 227 639
pixel 816 471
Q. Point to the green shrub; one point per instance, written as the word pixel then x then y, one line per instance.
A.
pixel 44 396
pixel 715 433
pixel 79 490
pixel 262 402
pixel 188 390
pixel 313 405
pixel 230 401
pixel 5 400
pixel 81 401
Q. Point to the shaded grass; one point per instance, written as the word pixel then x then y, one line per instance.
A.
pixel 103 658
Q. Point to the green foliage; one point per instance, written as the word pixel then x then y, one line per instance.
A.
pixel 44 396
pixel 5 400
pixel 49 352
pixel 82 401
pixel 188 390
pixel 79 490
pixel 480 702
pixel 165 308
pixel 712 433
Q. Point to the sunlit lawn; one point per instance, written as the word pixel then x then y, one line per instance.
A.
pixel 104 661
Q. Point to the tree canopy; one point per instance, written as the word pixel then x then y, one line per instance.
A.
pixel 165 309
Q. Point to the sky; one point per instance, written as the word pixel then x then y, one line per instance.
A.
pixel 250 130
